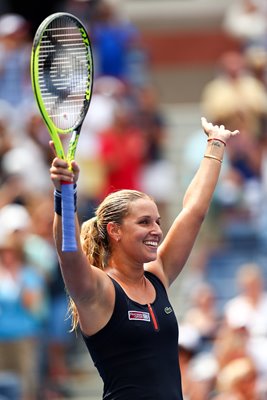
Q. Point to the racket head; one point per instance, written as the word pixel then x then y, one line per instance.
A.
pixel 62 75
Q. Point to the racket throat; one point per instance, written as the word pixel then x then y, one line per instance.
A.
pixel 73 145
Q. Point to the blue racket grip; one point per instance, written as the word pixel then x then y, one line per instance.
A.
pixel 68 218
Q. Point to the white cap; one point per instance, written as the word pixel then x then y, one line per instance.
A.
pixel 11 23
pixel 203 367
pixel 13 217
pixel 189 337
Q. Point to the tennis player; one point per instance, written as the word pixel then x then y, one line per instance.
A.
pixel 118 278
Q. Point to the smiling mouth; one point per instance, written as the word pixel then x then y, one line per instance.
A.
pixel 151 243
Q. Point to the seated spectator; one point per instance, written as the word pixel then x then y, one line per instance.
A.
pixel 203 315
pixel 248 309
pixel 238 381
pixel 229 344
pixel 198 369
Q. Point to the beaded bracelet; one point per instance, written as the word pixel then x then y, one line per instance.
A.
pixel 58 198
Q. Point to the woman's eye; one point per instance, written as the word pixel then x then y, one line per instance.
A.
pixel 144 222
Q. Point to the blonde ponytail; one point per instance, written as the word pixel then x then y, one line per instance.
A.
pixel 93 245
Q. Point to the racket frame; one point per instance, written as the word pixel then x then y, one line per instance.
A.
pixel 68 213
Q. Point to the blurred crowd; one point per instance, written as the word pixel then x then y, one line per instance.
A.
pixel 223 353
pixel 223 349
pixel 236 96
pixel 123 145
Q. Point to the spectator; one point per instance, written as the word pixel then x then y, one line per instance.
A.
pixel 7 133
pixel 15 51
pixel 82 9
pixel 14 218
pixel 157 168
pixel 250 305
pixel 113 37
pixel 249 309
pixel 246 21
pixel 122 152
pixel 41 252
pixel 198 367
pixel 203 315
pixel 34 133
pixel 238 381
pixel 230 343
pixel 100 116
pixel 29 147
pixel 236 97
pixel 21 301
pixel 256 61
pixel 188 348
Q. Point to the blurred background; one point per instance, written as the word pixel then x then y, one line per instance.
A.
pixel 159 66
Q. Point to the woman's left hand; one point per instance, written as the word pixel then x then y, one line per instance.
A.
pixel 216 131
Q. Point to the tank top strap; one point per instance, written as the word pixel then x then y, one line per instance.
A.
pixel 156 282
pixel 120 299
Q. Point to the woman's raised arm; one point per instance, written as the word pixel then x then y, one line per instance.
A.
pixel 177 245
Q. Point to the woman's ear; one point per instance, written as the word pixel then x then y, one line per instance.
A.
pixel 113 231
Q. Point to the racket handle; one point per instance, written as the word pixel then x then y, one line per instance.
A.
pixel 68 218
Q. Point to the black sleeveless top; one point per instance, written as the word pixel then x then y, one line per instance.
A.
pixel 136 353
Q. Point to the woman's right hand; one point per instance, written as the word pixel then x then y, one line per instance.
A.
pixel 61 171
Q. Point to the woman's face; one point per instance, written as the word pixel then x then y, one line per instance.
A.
pixel 140 232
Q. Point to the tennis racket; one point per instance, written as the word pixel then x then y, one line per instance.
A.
pixel 62 80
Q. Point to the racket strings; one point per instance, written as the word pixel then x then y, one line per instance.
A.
pixel 63 73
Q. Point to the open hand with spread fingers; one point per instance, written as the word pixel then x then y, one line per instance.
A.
pixel 216 131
